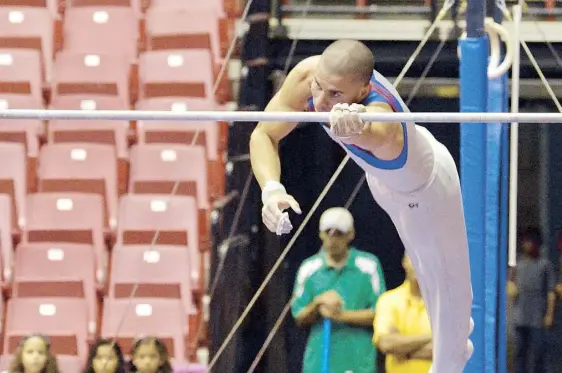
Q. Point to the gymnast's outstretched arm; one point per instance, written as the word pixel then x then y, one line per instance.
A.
pixel 264 142
pixel 264 148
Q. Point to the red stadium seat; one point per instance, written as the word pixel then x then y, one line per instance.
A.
pixel 29 28
pixel 106 132
pixel 141 215
pixel 186 73
pixel 178 104
pixel 67 218
pixel 102 30
pixel 24 132
pixel 6 242
pixel 133 4
pixel 183 28
pixel 13 180
pixel 175 218
pixel 158 271
pixel 20 72
pixel 156 168
pixel 161 318
pixel 51 5
pixel 57 270
pixel 63 320
pixel 5 361
pixel 96 74
pixel 88 102
pixel 69 364
pixel 81 167
pixel 177 132
pixel 17 101
pixel 223 8
pixel 185 104
pixel 215 5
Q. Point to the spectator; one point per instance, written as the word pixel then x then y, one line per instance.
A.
pixel 34 356
pixel 105 357
pixel 343 284
pixel 402 329
pixel 532 289
pixel 150 355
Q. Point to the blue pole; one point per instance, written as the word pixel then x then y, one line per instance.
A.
pixel 496 229
pixel 326 333
pixel 473 81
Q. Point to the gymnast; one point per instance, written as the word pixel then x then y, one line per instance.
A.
pixel 409 173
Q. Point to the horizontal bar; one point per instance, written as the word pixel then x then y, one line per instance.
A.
pixel 255 116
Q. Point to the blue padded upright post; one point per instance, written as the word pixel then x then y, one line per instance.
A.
pixel 474 98
pixel 473 81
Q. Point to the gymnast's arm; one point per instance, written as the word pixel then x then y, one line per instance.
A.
pixel 385 140
pixel 264 141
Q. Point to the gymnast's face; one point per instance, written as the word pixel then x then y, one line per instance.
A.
pixel 329 89
pixel 336 243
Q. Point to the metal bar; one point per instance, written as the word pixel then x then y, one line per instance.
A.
pixel 352 9
pixel 295 117
pixel 514 140
pixel 398 9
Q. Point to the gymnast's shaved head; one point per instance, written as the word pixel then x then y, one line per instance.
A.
pixel 350 59
pixel 342 75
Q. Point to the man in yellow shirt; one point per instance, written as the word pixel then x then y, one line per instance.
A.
pixel 402 329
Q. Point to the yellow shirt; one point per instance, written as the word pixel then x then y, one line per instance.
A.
pixel 398 310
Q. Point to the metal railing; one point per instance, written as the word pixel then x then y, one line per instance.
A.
pixel 364 8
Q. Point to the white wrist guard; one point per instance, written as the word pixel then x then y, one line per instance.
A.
pixel 270 187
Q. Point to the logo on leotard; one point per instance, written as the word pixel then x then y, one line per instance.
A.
pixel 413 205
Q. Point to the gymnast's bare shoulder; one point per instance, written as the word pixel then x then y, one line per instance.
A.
pixel 292 96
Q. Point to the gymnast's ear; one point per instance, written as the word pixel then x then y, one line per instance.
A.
pixel 365 90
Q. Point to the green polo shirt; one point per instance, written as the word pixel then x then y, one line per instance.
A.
pixel 359 282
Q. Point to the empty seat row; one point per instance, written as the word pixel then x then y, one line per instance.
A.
pixel 93 168
pixel 179 73
pixel 139 271
pixel 65 322
pixel 113 30
pixel 57 8
pixel 77 219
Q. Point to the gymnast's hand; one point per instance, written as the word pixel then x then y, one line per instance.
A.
pixel 273 215
pixel 345 121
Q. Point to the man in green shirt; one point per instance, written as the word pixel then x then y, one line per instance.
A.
pixel 343 284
